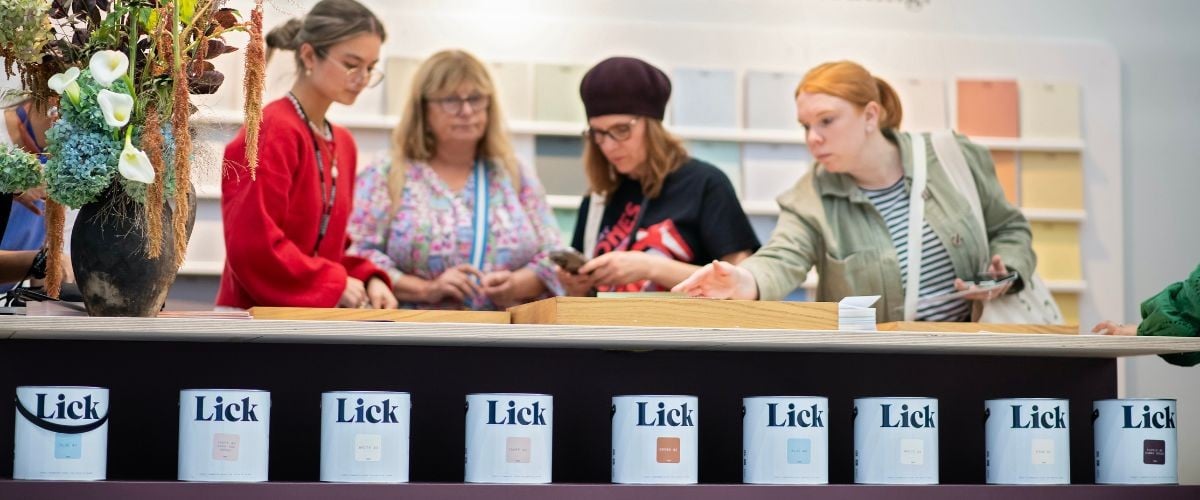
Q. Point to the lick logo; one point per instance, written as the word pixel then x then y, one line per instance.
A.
pixel 676 417
pixel 1164 419
pixel 382 413
pixel 84 409
pixel 916 419
pixel 808 417
pixel 1038 419
pixel 526 415
pixel 242 411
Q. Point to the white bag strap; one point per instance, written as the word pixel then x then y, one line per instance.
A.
pixel 916 226
pixel 950 155
pixel 591 230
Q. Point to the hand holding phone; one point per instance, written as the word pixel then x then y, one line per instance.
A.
pixel 569 259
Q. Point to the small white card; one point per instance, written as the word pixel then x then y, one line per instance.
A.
pixel 1043 451
pixel 856 313
pixel 368 447
pixel 912 452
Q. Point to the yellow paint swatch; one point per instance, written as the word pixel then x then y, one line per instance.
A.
pixel 1052 180
pixel 1057 247
pixel 1069 304
pixel 1049 110
pixel 557 93
pixel 1006 172
pixel 398 80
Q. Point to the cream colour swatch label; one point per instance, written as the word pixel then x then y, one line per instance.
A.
pixel 368 447
pixel 912 451
pixel 518 450
pixel 225 446
pixel 1043 451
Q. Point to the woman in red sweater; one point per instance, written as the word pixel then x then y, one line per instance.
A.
pixel 285 232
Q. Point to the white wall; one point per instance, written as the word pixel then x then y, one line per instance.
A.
pixel 1158 46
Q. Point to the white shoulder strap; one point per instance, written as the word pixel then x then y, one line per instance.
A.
pixel 916 226
pixel 950 155
pixel 591 229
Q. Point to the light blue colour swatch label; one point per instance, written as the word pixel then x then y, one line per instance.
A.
pixel 69 446
pixel 799 451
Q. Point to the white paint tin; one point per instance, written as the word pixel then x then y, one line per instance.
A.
pixel 509 438
pixel 1135 441
pixel 364 436
pixel 223 435
pixel 1028 441
pixel 61 433
pixel 655 439
pixel 895 441
pixel 785 440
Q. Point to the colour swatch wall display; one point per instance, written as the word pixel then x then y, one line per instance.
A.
pixel 704 98
pixel 726 156
pixel 556 93
pixel 772 169
pixel 514 86
pixel 398 82
pixel 1052 180
pixel 1049 110
pixel 770 101
pixel 1057 248
pixel 923 102
pixel 559 165
pixel 1006 172
pixel 988 108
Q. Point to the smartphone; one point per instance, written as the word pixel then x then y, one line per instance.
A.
pixel 986 281
pixel 569 259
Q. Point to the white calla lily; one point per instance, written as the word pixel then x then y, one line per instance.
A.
pixel 135 165
pixel 63 82
pixel 117 107
pixel 108 66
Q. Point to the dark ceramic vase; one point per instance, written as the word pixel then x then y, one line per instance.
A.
pixel 108 254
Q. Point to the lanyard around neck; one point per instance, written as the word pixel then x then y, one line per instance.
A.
pixel 327 198
pixel 480 224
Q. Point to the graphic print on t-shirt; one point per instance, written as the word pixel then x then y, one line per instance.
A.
pixel 662 238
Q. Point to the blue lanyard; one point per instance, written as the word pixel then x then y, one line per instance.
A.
pixel 480 224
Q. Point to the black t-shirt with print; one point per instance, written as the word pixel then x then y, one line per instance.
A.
pixel 695 219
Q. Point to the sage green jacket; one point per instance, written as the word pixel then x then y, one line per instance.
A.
pixel 828 222
pixel 1175 311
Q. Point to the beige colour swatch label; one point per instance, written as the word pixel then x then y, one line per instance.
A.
pixel 225 446
pixel 912 452
pixel 1042 452
pixel 518 450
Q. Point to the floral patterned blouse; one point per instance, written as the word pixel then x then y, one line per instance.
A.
pixel 432 230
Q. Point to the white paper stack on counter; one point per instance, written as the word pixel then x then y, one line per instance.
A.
pixel 856 313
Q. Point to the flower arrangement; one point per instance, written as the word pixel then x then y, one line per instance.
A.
pixel 121 72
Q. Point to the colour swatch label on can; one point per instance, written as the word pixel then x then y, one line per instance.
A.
pixel 68 446
pixel 225 446
pixel 1154 452
pixel 912 452
pixel 368 447
pixel 799 451
pixel 668 450
pixel 1042 452
pixel 518 450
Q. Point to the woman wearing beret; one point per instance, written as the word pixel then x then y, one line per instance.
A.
pixel 653 214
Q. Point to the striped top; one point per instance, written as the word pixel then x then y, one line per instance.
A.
pixel 937 272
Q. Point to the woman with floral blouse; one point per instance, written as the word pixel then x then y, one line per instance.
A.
pixel 452 216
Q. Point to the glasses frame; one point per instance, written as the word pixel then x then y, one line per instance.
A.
pixel 595 134
pixel 453 104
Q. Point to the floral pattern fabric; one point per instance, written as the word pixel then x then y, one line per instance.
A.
pixel 432 229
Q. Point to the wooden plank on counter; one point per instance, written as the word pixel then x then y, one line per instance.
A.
pixel 928 326
pixel 666 312
pixel 398 315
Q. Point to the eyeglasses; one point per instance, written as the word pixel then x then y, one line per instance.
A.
pixel 619 133
pixel 454 104
pixel 360 74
